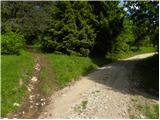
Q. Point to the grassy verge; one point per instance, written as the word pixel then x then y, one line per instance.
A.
pixel 151 111
pixel 59 70
pixel 48 84
pixel 144 108
pixel 15 71
pixel 67 68
pixel 149 73
pixel 44 87
pixel 146 74
pixel 133 52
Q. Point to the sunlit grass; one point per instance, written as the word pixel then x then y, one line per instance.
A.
pixel 132 52
pixel 68 68
pixel 15 71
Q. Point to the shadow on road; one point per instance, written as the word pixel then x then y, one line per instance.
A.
pixel 120 78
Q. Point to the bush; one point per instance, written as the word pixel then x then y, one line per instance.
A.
pixel 11 43
pixel 84 52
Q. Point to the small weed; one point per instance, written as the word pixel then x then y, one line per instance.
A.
pixel 139 107
pixel 84 103
pixel 94 92
pixel 151 111
pixel 81 107
pixel 146 109
pixel 97 91
pixel 78 109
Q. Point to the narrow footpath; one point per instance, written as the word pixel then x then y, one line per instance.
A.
pixel 34 100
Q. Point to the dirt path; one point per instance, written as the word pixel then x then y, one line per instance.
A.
pixel 104 93
pixel 35 100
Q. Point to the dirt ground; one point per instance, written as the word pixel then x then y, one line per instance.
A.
pixel 34 101
pixel 104 93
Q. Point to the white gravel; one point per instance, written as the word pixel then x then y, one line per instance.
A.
pixel 106 92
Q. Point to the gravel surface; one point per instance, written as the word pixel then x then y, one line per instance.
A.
pixel 101 94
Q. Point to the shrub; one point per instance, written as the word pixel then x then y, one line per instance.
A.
pixel 11 43
pixel 84 52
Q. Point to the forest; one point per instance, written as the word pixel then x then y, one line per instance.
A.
pixel 68 39
pixel 80 28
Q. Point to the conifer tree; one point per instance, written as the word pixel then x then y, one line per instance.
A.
pixel 71 31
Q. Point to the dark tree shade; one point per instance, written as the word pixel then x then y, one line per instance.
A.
pixel 83 28
pixel 29 18
pixel 145 15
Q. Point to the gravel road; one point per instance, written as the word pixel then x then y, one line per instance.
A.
pixel 103 93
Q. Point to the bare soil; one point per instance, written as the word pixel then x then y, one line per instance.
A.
pixel 34 100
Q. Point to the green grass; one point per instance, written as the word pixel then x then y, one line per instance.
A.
pixel 132 52
pixel 151 111
pixel 47 79
pixel 45 86
pixel 67 68
pixel 148 109
pixel 146 74
pixel 13 70
pixel 82 106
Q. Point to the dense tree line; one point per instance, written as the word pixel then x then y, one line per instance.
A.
pixel 145 16
pixel 29 18
pixel 83 28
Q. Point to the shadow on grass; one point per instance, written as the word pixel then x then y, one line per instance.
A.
pixel 100 61
pixel 148 72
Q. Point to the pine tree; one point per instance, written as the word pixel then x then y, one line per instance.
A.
pixel 110 20
pixel 71 31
